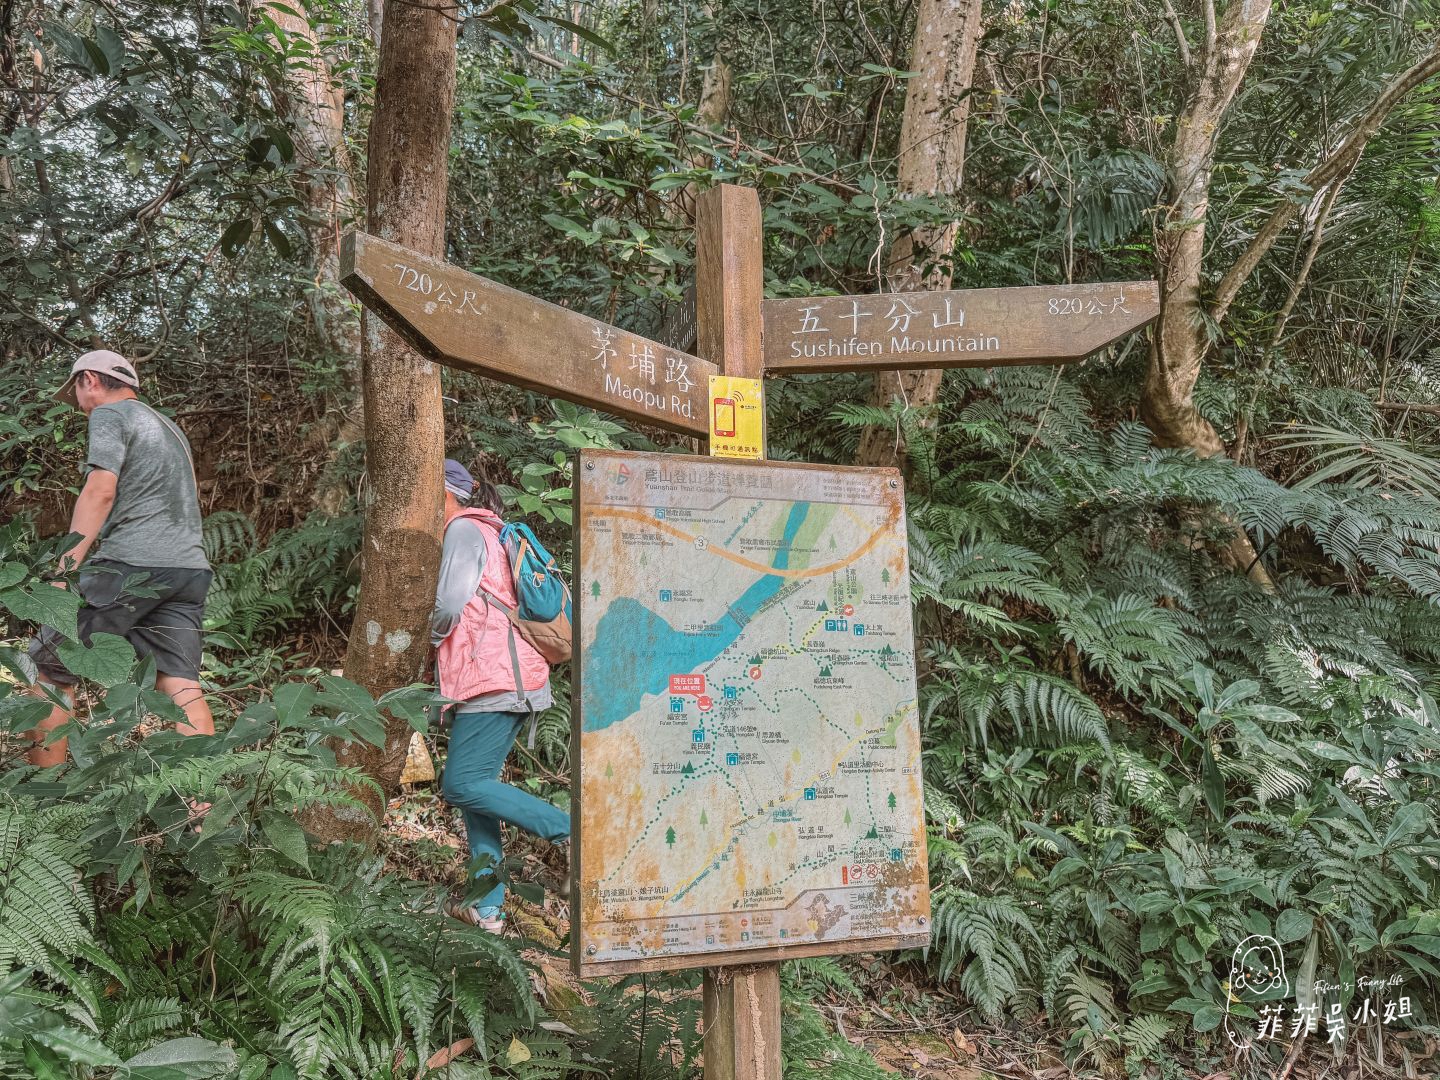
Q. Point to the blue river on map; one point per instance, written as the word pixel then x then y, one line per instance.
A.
pixel 636 651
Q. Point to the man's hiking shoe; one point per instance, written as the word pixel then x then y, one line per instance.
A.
pixel 468 913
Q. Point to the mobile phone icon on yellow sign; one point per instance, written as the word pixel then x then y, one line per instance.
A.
pixel 724 419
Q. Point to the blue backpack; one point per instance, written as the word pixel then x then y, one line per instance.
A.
pixel 542 611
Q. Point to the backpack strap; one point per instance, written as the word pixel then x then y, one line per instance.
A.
pixel 520 695
pixel 179 436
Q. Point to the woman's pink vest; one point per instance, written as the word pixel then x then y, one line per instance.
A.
pixel 477 656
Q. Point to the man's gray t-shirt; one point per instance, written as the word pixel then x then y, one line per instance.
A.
pixel 156 517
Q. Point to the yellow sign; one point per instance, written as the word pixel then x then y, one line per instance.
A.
pixel 737 417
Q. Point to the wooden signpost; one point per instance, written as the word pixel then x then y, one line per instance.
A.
pixel 468 322
pixel 1036 324
pixel 740 1005
pixel 474 324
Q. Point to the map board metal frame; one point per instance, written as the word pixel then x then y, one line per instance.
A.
pixel 905 879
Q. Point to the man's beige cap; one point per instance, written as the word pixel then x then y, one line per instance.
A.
pixel 106 363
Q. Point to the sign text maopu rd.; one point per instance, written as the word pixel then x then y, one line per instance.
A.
pixel 469 322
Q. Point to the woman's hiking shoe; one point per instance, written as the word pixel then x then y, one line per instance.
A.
pixel 470 914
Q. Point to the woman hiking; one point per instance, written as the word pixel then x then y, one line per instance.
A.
pixel 499 679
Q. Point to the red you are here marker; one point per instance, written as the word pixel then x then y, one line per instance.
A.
pixel 687 684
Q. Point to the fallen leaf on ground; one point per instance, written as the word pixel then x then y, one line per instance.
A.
pixel 445 1056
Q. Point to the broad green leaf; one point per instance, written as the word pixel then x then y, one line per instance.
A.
pixel 1305 975
pixel 277 238
pixel 99 62
pixel 112 46
pixel 1214 785
pixel 44 1064
pixel 46 605
pixel 1208 1018
pixel 584 33
pixel 108 660
pixel 18 663
pixel 340 693
pixel 75 1045
pixel 235 236
pixel 413 704
pixel 1409 821
pixel 180 1059
pixel 1292 925
pixel 293 704
pixel 287 837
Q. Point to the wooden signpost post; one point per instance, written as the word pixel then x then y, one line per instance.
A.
pixel 741 1005
pixel 468 322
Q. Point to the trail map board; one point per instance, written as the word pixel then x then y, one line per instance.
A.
pixel 745 713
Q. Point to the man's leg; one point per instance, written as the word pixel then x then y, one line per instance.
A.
pixel 52 675
pixel 171 633
pixel 43 756
pixel 187 694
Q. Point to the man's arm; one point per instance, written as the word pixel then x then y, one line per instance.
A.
pixel 462 560
pixel 91 509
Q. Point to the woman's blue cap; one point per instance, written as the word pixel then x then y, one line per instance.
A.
pixel 458 480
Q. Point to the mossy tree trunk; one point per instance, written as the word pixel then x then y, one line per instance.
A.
pixel 932 162
pixel 409 144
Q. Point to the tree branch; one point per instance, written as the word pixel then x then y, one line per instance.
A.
pixel 1345 158
pixel 1181 41
pixel 1407 406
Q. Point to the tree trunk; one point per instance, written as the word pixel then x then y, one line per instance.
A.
pixel 716 93
pixel 10 81
pixel 314 105
pixel 375 13
pixel 404 422
pixel 932 161
pixel 1167 403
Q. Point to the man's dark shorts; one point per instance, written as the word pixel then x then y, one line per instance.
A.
pixel 165 625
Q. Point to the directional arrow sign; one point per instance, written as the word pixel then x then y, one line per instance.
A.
pixel 469 322
pixel 1043 324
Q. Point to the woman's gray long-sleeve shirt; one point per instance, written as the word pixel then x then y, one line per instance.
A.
pixel 462 561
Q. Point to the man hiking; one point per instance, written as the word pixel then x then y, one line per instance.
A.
pixel 140 513
pixel 497 676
